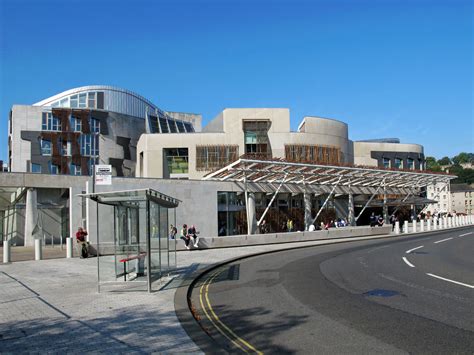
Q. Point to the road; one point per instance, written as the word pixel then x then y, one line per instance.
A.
pixel 403 295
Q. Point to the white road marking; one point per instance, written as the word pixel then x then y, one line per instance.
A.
pixel 454 282
pixel 443 240
pixel 462 235
pixel 407 262
pixel 409 251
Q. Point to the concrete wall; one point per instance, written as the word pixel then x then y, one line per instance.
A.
pixel 261 239
pixel 319 131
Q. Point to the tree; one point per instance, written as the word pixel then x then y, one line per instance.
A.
pixel 444 161
pixel 432 164
pixel 461 158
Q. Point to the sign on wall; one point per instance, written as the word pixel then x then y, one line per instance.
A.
pixel 103 174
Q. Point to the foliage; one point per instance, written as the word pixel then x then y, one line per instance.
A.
pixel 444 161
pixel 432 164
pixel 463 158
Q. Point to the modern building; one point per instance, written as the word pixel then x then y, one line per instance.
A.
pixel 69 132
pixel 441 193
pixel 299 176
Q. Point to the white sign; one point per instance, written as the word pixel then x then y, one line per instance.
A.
pixel 103 174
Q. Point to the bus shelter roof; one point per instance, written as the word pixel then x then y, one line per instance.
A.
pixel 279 171
pixel 116 198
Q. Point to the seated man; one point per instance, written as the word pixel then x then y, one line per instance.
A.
pixel 380 221
pixel 82 243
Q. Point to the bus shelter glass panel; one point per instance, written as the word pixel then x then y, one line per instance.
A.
pixel 133 238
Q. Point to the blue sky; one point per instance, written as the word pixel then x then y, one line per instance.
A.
pixel 393 68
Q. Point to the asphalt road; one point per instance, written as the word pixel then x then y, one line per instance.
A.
pixel 403 295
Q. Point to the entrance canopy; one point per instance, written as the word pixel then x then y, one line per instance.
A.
pixel 278 171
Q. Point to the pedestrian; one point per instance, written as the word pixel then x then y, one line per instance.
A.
pixel 392 221
pixel 311 228
pixel 192 233
pixel 289 225
pixel 380 221
pixel 264 227
pixel 82 244
pixel 184 236
pixel 373 220
pixel 173 232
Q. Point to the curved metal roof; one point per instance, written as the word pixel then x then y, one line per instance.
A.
pixel 80 89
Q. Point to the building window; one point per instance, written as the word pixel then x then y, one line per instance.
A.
pixel 53 169
pixel 76 124
pixel 164 125
pixel 172 125
pixel 73 101
pixel 65 147
pixel 50 123
pixel 176 161
pixel 36 168
pixel 91 100
pixel 45 147
pixel 180 126
pixel 94 125
pixel 189 127
pixel 82 100
pixel 256 138
pixel 215 156
pixel 411 164
pixel 386 163
pixel 398 163
pixel 89 145
pixel 75 169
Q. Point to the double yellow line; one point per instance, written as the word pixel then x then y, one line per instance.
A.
pixel 218 324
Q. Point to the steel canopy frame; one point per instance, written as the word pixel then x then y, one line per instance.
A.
pixel 278 171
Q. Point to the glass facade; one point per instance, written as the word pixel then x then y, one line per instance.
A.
pixel 36 168
pixel 386 163
pixel 256 138
pixel 89 145
pixel 82 100
pixel 162 124
pixel 398 163
pixel 231 215
pixel 45 147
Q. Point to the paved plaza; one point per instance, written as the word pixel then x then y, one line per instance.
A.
pixel 53 306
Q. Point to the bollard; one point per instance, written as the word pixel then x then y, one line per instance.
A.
pixel 428 224
pixel 397 227
pixel 422 225
pixel 435 223
pixel 6 251
pixel 445 222
pixel 52 241
pixel 61 241
pixel 414 225
pixel 68 248
pixel 405 227
pixel 38 250
pixel 450 222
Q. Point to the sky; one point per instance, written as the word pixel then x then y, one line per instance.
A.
pixel 388 68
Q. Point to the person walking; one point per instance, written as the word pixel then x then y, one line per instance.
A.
pixel 173 232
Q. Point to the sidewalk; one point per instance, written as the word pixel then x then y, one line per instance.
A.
pixel 53 306
pixel 28 253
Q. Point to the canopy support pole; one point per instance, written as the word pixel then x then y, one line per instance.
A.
pixel 327 199
pixel 271 201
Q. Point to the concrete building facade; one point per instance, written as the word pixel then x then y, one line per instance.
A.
pixel 69 132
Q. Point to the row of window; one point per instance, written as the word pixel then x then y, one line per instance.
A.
pixel 89 146
pixel 164 125
pixel 84 100
pixel 54 169
pixel 52 123
pixel 313 154
pixel 399 164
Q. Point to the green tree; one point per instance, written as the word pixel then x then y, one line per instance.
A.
pixel 444 161
pixel 432 164
pixel 462 158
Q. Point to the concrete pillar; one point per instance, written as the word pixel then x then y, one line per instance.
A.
pixel 445 222
pixel 385 207
pixel 435 223
pixel 31 216
pixel 450 222
pixel 405 227
pixel 350 214
pixel 38 249
pixel 422 225
pixel 6 252
pixel 307 210
pixel 68 248
pixel 252 222
pixel 397 227
pixel 428 224
pixel 414 225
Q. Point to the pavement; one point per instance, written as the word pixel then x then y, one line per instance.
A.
pixel 53 306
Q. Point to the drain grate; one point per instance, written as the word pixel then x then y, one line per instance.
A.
pixel 379 292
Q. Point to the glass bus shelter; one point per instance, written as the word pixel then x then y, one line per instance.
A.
pixel 133 244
